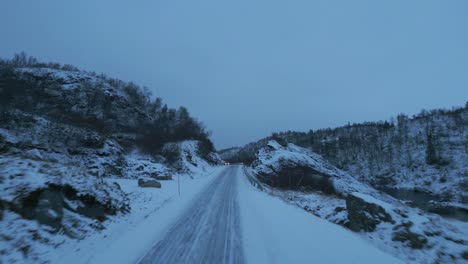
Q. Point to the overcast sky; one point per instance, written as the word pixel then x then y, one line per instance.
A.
pixel 247 68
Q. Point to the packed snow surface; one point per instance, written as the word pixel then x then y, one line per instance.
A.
pixel 219 218
pixel 209 231
pixel 276 232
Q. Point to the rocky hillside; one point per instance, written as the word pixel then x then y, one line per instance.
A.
pixel 63 134
pixel 305 179
pixel 427 153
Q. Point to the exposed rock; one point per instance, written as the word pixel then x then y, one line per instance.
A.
pixel 75 151
pixel 45 206
pixel 95 211
pixel 2 207
pixel 93 141
pixel 49 209
pixel 465 254
pixel 149 183
pixel 365 216
pixel 404 234
pixel 455 240
pixel 4 145
pixel 103 153
pixel 90 207
pixel 295 176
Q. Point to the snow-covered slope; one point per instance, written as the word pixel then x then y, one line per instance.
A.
pixel 426 153
pixel 71 148
pixel 303 178
pixel 188 158
pixel 282 162
pixel 226 154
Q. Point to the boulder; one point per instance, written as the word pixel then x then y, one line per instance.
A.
pixel 149 183
pixel 33 154
pixel 363 215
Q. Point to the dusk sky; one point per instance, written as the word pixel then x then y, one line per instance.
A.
pixel 249 68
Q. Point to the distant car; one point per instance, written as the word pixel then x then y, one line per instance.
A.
pixel 227 163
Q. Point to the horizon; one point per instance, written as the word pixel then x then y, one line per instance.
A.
pixel 389 119
pixel 281 67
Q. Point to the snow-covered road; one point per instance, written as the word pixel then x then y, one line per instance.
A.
pixel 209 231
pixel 232 222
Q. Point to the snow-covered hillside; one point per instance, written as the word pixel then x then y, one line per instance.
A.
pixel 420 159
pixel 76 150
pixel 229 153
pixel 305 179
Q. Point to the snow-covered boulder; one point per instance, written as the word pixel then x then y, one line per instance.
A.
pixel 149 183
pixel 33 154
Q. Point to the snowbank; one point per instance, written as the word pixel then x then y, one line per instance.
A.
pixel 408 233
pixel 275 232
pixel 126 239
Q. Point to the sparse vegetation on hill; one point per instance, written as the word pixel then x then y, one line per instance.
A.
pixel 427 152
pixel 66 136
pixel 66 95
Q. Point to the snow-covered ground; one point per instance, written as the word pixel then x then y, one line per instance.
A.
pixel 72 162
pixel 276 232
pixel 50 190
pixel 272 231
pixel 127 239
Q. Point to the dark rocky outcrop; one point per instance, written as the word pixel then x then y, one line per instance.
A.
pixel 149 183
pixel 43 205
pixel 365 216
pixel 93 141
pixel 49 209
pixel 465 254
pixel 293 176
pixel 47 205
pixel 95 211
pixel 2 207
pixel 403 233
pixel 4 145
